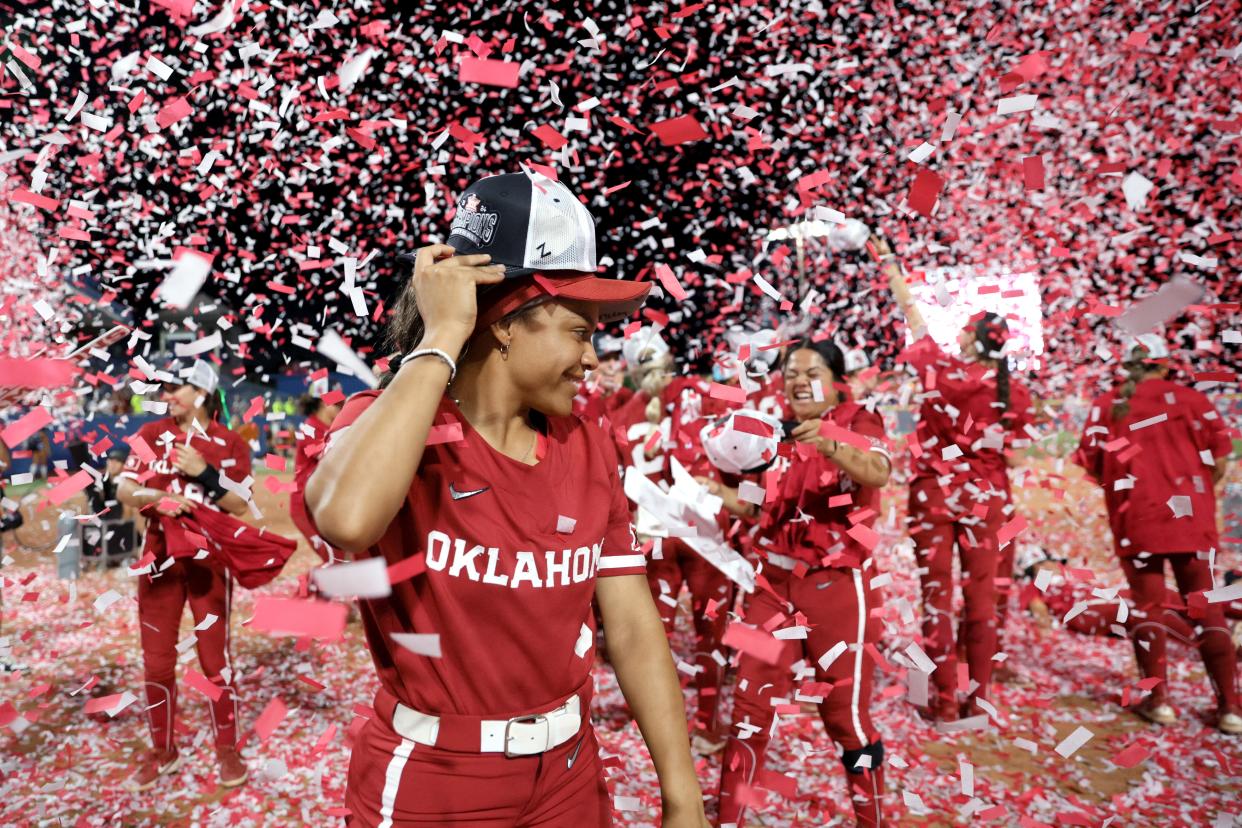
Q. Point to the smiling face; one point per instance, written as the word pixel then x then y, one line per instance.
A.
pixel 803 368
pixel 550 353
pixel 183 399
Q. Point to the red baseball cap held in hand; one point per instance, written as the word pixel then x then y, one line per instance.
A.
pixel 544 237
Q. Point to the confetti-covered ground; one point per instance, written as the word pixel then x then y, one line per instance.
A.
pixel 63 766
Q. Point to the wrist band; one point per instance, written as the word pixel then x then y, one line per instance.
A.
pixel 209 479
pixel 435 352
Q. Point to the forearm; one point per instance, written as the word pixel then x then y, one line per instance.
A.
pixel 735 505
pixel 130 493
pixel 1218 471
pixel 866 468
pixel 639 652
pixel 901 292
pixel 232 503
pixel 349 501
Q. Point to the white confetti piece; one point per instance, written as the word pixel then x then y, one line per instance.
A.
pixel 922 152
pixel 1018 103
pixel 1135 188
pixel 1071 743
pixel 1181 506
pixel 106 600
pixel 424 644
pixel 181 285
pixel 357 579
pixel 586 637
pixel 825 661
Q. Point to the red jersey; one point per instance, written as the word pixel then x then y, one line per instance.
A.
pixel 817 510
pixel 221 448
pixel 597 408
pixel 310 442
pixel 962 431
pixel 1155 466
pixel 512 553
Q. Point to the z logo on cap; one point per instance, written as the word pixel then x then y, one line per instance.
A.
pixel 474 221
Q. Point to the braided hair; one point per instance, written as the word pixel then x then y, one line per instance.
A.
pixel 1137 369
pixel 991 333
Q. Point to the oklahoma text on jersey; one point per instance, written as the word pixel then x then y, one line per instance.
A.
pixel 460 558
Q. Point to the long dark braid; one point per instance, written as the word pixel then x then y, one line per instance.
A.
pixel 991 333
pixel 1136 370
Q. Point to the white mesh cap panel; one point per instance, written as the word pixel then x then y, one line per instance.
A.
pixel 561 233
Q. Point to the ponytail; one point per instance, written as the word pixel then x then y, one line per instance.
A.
pixel 1135 372
pixel 991 333
pixel 213 404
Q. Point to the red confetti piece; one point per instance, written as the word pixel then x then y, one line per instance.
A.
pixel 501 73
pixel 681 130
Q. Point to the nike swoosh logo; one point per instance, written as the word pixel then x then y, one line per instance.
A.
pixel 456 495
pixel 574 756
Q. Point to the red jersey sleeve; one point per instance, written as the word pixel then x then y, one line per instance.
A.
pixel 1208 427
pixel 350 412
pixel 870 424
pixel 239 453
pixel 622 554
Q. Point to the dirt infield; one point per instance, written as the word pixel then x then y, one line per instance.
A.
pixel 62 765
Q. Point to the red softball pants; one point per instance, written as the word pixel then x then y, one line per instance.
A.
pixel 395 782
pixel 937 528
pixel 1153 616
pixel 837 605
pixel 161 600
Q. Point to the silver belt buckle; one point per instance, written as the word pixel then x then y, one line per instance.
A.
pixel 535 719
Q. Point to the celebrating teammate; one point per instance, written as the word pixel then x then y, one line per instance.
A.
pixel 185 461
pixel 814 540
pixel 1158 449
pixel 959 490
pixel 519 512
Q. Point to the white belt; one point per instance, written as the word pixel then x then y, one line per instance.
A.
pixel 783 561
pixel 519 736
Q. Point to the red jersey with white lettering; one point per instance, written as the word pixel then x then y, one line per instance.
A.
pixel 221 448
pixel 512 553
pixel 820 516
pixel 962 430
pixel 1155 466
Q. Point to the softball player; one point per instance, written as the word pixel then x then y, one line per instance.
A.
pixel 518 512
pixel 959 488
pixel 814 542
pixel 1168 447
pixel 185 461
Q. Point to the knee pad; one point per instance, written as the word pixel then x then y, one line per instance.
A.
pixel 875 750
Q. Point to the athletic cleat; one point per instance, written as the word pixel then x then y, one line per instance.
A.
pixel 157 763
pixel 1230 722
pixel 233 770
pixel 1155 712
